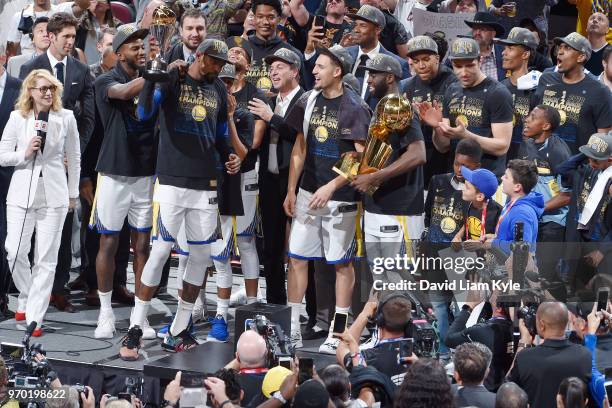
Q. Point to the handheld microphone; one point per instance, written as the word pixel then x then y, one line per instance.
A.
pixel 29 331
pixel 40 125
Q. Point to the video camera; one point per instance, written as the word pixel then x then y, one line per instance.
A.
pixel 133 386
pixel 278 343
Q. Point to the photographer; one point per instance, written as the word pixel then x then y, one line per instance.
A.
pixel 251 363
pixel 495 333
pixel 472 361
pixel 539 370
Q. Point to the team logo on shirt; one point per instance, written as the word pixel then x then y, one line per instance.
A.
pixel 448 225
pixel 321 134
pixel 198 112
pixel 265 84
pixel 463 119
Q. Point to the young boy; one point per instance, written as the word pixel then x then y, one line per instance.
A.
pixel 547 151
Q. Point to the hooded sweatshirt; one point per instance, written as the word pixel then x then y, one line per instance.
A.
pixel 527 210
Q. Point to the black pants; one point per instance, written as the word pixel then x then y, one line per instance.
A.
pixel 272 193
pixel 5 272
pixel 549 251
pixel 64 256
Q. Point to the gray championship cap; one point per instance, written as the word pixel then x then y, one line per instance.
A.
pixel 340 55
pixel 228 71
pixel 384 63
pixel 599 146
pixel 285 55
pixel 464 48
pixel 352 82
pixel 213 48
pixel 127 33
pixel 422 43
pixel 370 14
pixel 577 42
pixel 520 36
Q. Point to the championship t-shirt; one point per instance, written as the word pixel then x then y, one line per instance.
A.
pixel 473 220
pixel 444 208
pixel 523 102
pixel 128 148
pixel 478 107
pixel 259 73
pixel 332 33
pixel 584 107
pixel 243 96
pixel 403 194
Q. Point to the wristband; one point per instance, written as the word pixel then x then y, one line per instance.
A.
pixel 524 345
pixel 224 402
pixel 166 403
pixel 277 395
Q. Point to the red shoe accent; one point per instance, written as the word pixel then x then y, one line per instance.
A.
pixel 20 316
pixel 37 332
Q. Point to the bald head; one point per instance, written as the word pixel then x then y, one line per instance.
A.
pixel 598 24
pixel 251 350
pixel 511 395
pixel 554 316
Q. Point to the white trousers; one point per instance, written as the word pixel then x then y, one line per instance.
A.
pixel 34 284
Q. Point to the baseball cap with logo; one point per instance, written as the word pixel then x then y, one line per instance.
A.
pixel 384 63
pixel 127 33
pixel 484 180
pixel 370 14
pixel 213 48
pixel 599 146
pixel 228 71
pixel 577 42
pixel 284 55
pixel 340 55
pixel 464 48
pixel 422 43
pixel 520 36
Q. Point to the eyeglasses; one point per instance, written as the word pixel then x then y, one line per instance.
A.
pixel 43 89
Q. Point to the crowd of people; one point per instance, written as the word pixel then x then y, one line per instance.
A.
pixel 500 154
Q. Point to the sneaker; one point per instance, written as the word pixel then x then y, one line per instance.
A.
pixel 163 332
pixel 296 340
pixel 314 332
pixel 130 344
pixel 20 316
pixel 176 344
pixel 238 298
pixel 106 326
pixel 37 332
pixel 148 333
pixel 200 310
pixel 330 346
pixel 218 332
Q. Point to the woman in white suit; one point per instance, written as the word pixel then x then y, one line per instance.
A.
pixel 39 195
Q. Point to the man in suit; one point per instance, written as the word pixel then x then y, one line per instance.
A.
pixel 40 41
pixel 9 92
pixel 274 157
pixel 472 361
pixel 192 29
pixel 78 97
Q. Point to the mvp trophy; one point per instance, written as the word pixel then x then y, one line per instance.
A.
pixel 162 28
pixel 393 113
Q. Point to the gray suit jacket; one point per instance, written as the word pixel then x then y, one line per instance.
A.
pixel 15 63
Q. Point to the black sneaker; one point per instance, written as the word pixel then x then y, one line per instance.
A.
pixel 130 344
pixel 183 341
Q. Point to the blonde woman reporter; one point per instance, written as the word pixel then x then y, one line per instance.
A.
pixel 40 193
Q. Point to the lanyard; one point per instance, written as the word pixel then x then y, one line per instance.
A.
pixel 501 217
pixel 483 220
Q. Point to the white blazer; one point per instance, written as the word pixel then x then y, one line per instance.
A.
pixel 62 140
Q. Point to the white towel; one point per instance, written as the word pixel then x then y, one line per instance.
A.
pixel 595 197
pixel 310 103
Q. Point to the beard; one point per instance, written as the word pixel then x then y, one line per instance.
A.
pixel 133 64
pixel 380 89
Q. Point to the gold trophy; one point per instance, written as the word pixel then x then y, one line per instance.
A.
pixel 163 26
pixel 393 113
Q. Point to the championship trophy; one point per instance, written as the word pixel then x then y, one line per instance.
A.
pixel 163 26
pixel 393 113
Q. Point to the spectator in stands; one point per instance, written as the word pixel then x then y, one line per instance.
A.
pixel 606 75
pixel 472 361
pixel 96 18
pixel 233 390
pixel 541 60
pixel 393 36
pixel 510 16
pixel 597 28
pixel 458 6
pixel 108 58
pixel 425 385
pixel 40 41
pixel 585 9
pixel 334 28
pixel 510 395
pixel 484 29
pixel 338 385
pixel 572 393
pixel 540 370
pixel 251 362
pixel 192 29
pixel 218 13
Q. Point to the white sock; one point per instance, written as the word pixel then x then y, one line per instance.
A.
pixel 251 300
pixel 105 301
pixel 295 316
pixel 342 309
pixel 139 314
pixel 222 308
pixel 181 320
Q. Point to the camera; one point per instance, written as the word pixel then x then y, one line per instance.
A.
pixel 24 370
pixel 277 342
pixel 425 341
pixel 25 24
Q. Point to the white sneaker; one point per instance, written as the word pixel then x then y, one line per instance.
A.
pixel 330 346
pixel 296 340
pixel 106 326
pixel 200 310
pixel 239 297
pixel 148 333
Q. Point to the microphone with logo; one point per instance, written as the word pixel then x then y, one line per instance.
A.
pixel 40 125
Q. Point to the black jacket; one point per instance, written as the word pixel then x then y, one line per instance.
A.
pixel 78 93
pixel 175 53
pixel 473 396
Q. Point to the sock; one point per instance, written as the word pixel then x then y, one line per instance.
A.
pixel 342 309
pixel 181 320
pixel 295 316
pixel 105 301
pixel 202 296
pixel 222 308
pixel 139 314
pixel 251 300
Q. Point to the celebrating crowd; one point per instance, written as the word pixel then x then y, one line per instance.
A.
pixel 239 136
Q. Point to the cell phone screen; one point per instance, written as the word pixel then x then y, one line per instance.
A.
pixel 306 366
pixel 340 323
pixel 602 299
pixel 125 396
pixel 285 362
pixel 192 380
pixel 319 21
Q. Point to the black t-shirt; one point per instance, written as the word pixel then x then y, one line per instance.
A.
pixel 393 34
pixel 523 101
pixel 332 33
pixel 594 64
pixel 193 135
pixel 243 96
pixel 259 74
pixel 480 106
pixel 444 209
pixel 584 107
pixel 473 220
pixel 251 385
pixel 128 148
pixel 403 194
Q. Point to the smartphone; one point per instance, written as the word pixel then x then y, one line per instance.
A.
pixel 192 380
pixel 405 350
pixel 285 362
pixel 306 367
pixel 340 320
pixel 319 21
pixel 602 298
pixel 125 396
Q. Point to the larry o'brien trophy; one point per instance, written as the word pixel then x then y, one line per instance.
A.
pixel 393 113
pixel 163 26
